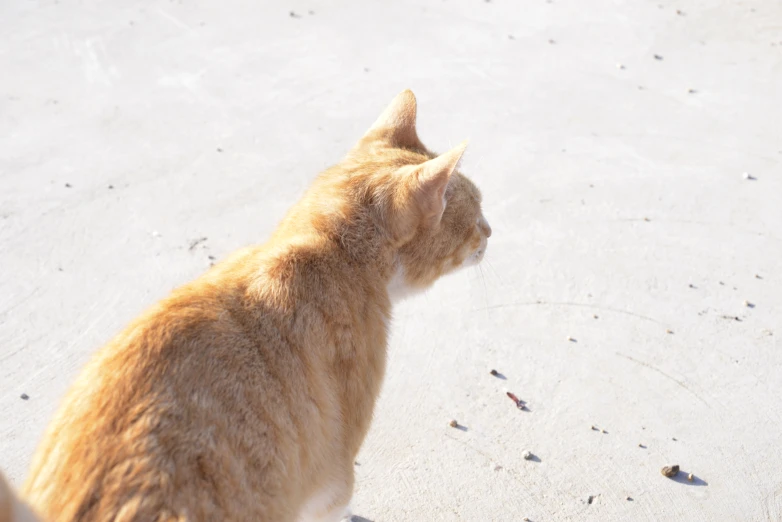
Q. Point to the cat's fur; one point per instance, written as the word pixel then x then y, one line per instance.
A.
pixel 246 394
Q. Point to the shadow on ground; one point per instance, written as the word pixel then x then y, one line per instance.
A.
pixel 681 478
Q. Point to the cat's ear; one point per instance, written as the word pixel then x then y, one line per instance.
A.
pixel 431 180
pixel 397 123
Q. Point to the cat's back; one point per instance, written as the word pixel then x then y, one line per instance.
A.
pixel 174 418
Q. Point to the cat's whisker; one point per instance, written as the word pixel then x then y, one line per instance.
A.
pixel 485 292
pixel 496 274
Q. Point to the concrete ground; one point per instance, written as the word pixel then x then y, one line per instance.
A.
pixel 137 139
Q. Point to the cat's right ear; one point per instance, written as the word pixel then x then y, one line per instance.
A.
pixel 430 181
pixel 396 124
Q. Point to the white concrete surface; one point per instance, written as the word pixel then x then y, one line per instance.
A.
pixel 610 190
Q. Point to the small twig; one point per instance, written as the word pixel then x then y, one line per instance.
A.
pixel 520 404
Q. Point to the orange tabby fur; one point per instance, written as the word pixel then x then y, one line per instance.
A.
pixel 247 393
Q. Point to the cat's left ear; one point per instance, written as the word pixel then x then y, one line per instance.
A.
pixel 431 180
pixel 396 124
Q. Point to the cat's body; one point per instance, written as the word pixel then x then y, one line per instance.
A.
pixel 246 394
pixel 226 409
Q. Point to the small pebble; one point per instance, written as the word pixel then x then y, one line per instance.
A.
pixel 747 304
pixel 595 429
pixel 641 446
pixel 111 187
pixel 670 471
pixel 494 372
pixel 570 339
pixel 690 477
pixel 67 185
pixel 24 396
pixel 757 276
pixel 669 331
pixel 629 498
pixel 527 455
pixel 453 424
pixel 691 91
pixel 603 431
pixel 747 175
pixel 658 57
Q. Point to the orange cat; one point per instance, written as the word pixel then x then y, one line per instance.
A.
pixel 246 394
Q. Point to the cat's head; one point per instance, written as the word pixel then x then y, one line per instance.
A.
pixel 430 211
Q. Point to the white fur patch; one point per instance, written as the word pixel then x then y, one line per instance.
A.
pixel 318 508
pixel 398 289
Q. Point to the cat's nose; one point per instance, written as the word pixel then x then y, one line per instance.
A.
pixel 485 227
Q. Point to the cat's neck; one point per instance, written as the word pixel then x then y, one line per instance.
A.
pixel 359 272
pixel 358 251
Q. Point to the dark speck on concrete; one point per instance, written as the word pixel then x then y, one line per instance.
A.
pixel 24 396
pixel 194 243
